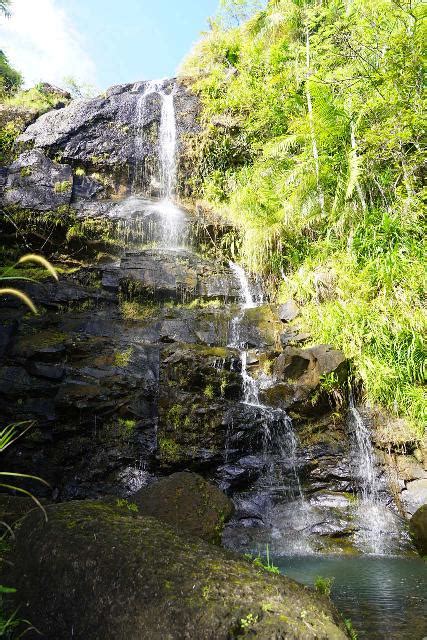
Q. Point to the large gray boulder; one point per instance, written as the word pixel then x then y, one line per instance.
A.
pixel 99 571
pixel 36 182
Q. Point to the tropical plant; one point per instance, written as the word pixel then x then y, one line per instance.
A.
pixel 10 434
pixel 312 147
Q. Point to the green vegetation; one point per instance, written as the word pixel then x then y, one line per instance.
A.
pixel 123 358
pixel 266 564
pixel 248 621
pixel 130 506
pixel 169 450
pixel 62 187
pixel 209 392
pixel 312 147
pixel 10 79
pixel 323 585
pixel 350 629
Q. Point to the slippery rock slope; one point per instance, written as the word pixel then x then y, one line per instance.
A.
pixel 123 576
pixel 115 134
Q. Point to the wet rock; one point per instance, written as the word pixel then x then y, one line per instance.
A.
pixel 36 182
pixel 238 476
pixel 418 529
pixel 105 572
pixel 288 311
pixel 86 187
pixel 100 133
pixel 414 495
pixel 188 503
pixel 165 274
pixel 259 327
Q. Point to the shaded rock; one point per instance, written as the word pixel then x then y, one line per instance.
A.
pixel 288 311
pixel 97 571
pixel 36 182
pixel 86 187
pixel 414 496
pixel 188 503
pixel 299 373
pixel 418 529
pixel 13 508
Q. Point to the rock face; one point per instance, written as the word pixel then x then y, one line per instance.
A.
pixel 188 503
pixel 98 571
pixel 116 134
pixel 418 529
pixel 145 359
pixel 35 182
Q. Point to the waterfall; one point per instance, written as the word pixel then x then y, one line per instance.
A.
pixel 378 525
pixel 244 285
pixel 363 458
pixel 167 146
pixel 279 442
pixel 170 217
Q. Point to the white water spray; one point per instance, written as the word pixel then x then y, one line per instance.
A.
pixel 171 217
pixel 379 528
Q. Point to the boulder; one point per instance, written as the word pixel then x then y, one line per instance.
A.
pixel 418 529
pixel 288 311
pixel 188 503
pixel 36 182
pixel 95 570
pixel 299 374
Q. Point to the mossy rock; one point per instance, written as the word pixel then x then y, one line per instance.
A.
pixel 188 503
pixel 418 529
pixel 97 571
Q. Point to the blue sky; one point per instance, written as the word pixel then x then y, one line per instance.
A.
pixel 102 42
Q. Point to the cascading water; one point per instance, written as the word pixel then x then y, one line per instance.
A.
pixel 154 221
pixel 379 528
pixel 279 480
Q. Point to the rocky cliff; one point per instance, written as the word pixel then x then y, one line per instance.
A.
pixel 132 369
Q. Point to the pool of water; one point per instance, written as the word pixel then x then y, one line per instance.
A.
pixel 385 597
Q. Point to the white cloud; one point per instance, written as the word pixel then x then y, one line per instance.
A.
pixel 41 42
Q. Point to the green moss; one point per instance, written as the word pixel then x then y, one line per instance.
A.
pixel 169 450
pixel 43 339
pixel 137 311
pixel 25 172
pixel 123 358
pixel 62 187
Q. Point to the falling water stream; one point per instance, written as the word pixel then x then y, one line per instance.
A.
pixel 280 478
pixel 154 221
pixel 379 528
